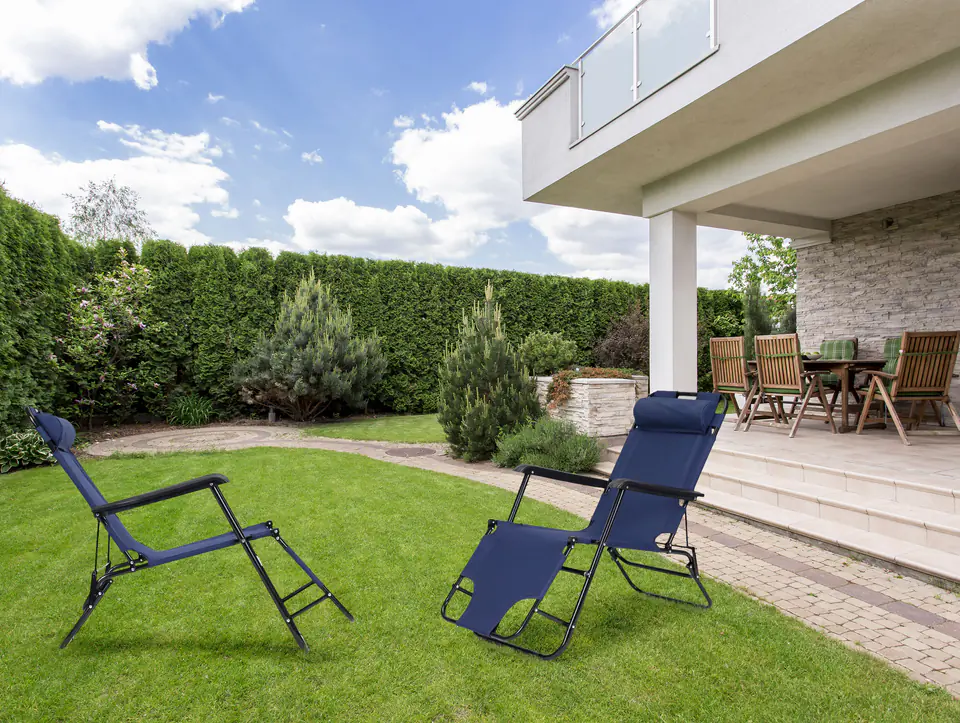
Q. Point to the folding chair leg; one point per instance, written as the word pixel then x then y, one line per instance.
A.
pixel 867 403
pixel 893 413
pixel 953 413
pixel 327 595
pixel 747 405
pixel 261 571
pixel 693 572
pixel 98 588
pixel 803 409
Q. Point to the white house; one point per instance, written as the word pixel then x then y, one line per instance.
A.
pixel 835 123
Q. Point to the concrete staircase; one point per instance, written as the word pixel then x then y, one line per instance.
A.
pixel 906 523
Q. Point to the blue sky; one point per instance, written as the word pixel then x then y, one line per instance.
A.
pixel 373 128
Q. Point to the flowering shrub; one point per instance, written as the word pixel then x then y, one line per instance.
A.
pixel 100 352
pixel 559 390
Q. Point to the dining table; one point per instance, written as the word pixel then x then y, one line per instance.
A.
pixel 845 370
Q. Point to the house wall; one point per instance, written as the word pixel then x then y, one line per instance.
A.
pixel 887 271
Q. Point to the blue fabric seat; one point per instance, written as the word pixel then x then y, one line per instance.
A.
pixel 60 435
pixel 645 499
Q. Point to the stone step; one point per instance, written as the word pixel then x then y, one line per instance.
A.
pixel 737 463
pixel 938 530
pixel 937 563
pixel 903 522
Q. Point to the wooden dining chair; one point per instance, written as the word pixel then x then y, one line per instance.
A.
pixel 781 374
pixel 731 375
pixel 924 372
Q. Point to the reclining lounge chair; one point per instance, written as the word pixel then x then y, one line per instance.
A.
pixel 647 496
pixel 59 434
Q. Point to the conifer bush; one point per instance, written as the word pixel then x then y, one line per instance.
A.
pixel 544 352
pixel 485 390
pixel 312 363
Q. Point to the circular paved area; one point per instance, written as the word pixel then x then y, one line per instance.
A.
pixel 909 623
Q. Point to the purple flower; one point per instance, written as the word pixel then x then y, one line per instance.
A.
pixel 156 386
pixel 84 304
pixel 142 325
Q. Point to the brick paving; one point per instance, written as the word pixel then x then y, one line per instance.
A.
pixel 911 624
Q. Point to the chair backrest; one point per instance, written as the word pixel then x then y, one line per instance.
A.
pixel 926 363
pixel 779 365
pixel 891 354
pixel 668 445
pixel 729 364
pixel 843 348
pixel 60 435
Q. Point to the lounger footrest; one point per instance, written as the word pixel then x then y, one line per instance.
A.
pixel 513 563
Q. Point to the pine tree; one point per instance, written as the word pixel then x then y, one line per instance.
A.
pixel 312 363
pixel 484 389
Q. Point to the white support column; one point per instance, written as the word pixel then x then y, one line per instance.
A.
pixel 673 302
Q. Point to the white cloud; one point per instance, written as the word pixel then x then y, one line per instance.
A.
pixel 212 99
pixel 478 86
pixel 261 218
pixel 172 174
pixel 313 157
pixel 563 38
pixel 519 89
pixel 165 145
pixel 256 203
pixel 263 129
pixel 225 213
pixel 466 173
pixel 287 133
pixel 428 119
pixel 274 247
pixel 79 41
pixel 610 246
pixel 341 226
pixel 229 122
pixel 403 121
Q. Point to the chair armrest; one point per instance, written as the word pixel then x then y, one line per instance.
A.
pixel 577 479
pixel 885 375
pixel 165 493
pixel 658 490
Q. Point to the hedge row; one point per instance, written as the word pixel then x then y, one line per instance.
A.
pixel 215 303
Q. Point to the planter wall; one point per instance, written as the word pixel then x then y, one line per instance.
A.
pixel 598 407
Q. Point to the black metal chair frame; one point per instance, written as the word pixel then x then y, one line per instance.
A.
pixel 668 547
pixel 100 583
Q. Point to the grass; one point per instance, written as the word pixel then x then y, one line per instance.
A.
pixel 414 429
pixel 199 640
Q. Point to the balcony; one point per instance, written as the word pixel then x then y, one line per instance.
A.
pixel 653 45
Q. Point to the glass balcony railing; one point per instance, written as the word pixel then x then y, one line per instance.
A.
pixel 658 41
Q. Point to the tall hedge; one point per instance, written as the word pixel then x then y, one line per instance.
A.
pixel 168 355
pixel 213 274
pixel 38 270
pixel 213 305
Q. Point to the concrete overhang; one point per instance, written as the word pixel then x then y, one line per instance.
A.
pixel 779 63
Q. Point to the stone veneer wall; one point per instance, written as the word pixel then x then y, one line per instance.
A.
pixel 598 407
pixel 887 271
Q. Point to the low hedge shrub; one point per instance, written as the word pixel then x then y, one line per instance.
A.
pixel 549 443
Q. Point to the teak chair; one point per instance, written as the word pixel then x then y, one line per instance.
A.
pixel 923 374
pixel 780 373
pixel 59 435
pixel 728 363
pixel 646 498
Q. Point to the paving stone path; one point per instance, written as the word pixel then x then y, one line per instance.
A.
pixel 911 624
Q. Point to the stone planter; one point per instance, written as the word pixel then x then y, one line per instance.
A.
pixel 598 407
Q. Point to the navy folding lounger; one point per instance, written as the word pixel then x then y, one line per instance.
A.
pixel 650 488
pixel 59 434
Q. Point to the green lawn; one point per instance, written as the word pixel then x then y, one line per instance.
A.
pixel 413 428
pixel 199 640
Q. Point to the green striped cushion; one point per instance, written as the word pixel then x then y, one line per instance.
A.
pixel 891 352
pixel 836 349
